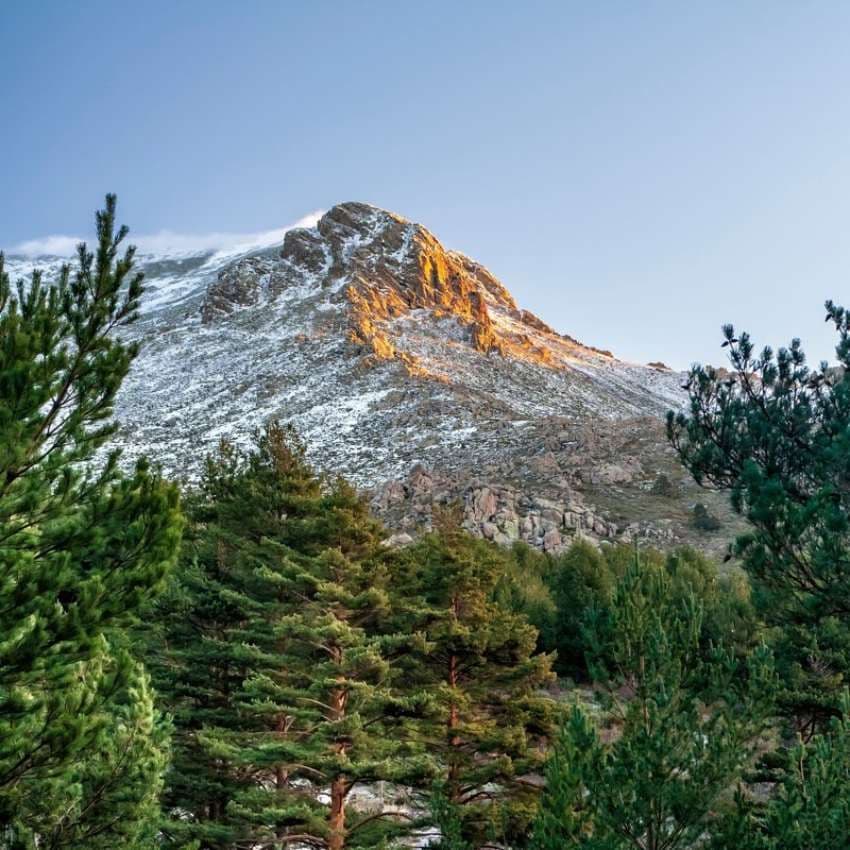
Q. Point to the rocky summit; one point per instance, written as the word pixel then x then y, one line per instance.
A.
pixel 411 369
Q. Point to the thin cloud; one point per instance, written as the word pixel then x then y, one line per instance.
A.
pixel 59 246
pixel 168 242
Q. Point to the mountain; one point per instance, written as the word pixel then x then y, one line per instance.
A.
pixel 410 369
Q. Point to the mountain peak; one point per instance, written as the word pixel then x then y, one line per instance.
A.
pixel 386 271
pixel 384 349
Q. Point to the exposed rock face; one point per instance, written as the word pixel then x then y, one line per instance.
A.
pixel 392 267
pixel 243 284
pixel 510 515
pixel 538 504
pixel 410 369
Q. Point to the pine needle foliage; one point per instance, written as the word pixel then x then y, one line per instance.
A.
pixel 775 434
pixel 681 728
pixel 492 716
pixel 811 807
pixel 82 547
pixel 277 659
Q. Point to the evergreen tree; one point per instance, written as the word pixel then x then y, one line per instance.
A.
pixel 579 579
pixel 277 661
pixel 728 616
pixel 812 806
pixel 565 817
pixel 776 435
pixel 110 796
pixel 81 547
pixel 682 728
pixel 209 633
pixel 447 821
pixel 585 577
pixel 491 719
pixel 333 677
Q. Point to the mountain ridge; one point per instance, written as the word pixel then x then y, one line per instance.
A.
pixel 406 366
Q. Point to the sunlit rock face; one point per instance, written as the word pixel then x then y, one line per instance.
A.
pixel 390 353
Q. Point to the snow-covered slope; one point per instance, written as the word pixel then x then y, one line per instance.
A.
pixel 383 348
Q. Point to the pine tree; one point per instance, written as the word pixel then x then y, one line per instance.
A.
pixel 208 636
pixel 110 796
pixel 682 729
pixel 333 678
pixel 579 579
pixel 524 589
pixel 276 661
pixel 491 719
pixel 776 435
pixel 81 547
pixel 447 821
pixel 565 817
pixel 812 806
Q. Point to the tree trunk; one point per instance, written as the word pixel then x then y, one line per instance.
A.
pixel 339 785
pixel 281 774
pixel 454 739
pixel 454 719
pixel 336 821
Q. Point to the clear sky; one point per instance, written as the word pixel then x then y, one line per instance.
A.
pixel 636 173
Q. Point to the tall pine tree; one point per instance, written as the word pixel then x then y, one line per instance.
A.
pixel 776 435
pixel 276 659
pixel 491 719
pixel 811 807
pixel 81 547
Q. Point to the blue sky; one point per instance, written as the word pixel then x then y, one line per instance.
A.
pixel 636 173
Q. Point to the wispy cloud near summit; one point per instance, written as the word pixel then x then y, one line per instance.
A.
pixel 168 242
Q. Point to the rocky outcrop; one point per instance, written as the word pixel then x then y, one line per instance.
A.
pixel 243 284
pixel 304 248
pixel 393 267
pixel 502 513
pixel 390 268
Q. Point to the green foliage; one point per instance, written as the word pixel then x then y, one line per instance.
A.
pixel 447 820
pixel 481 667
pixel 110 796
pixel 776 435
pixel 200 648
pixel 683 727
pixel 579 579
pixel 812 660
pixel 584 577
pixel 81 548
pixel 703 520
pixel 524 589
pixel 566 818
pixel 276 659
pixel 620 558
pixel 663 486
pixel 728 615
pixel 812 806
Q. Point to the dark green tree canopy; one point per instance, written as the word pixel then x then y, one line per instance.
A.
pixel 811 806
pixel 481 665
pixel 274 650
pixel 776 435
pixel 680 727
